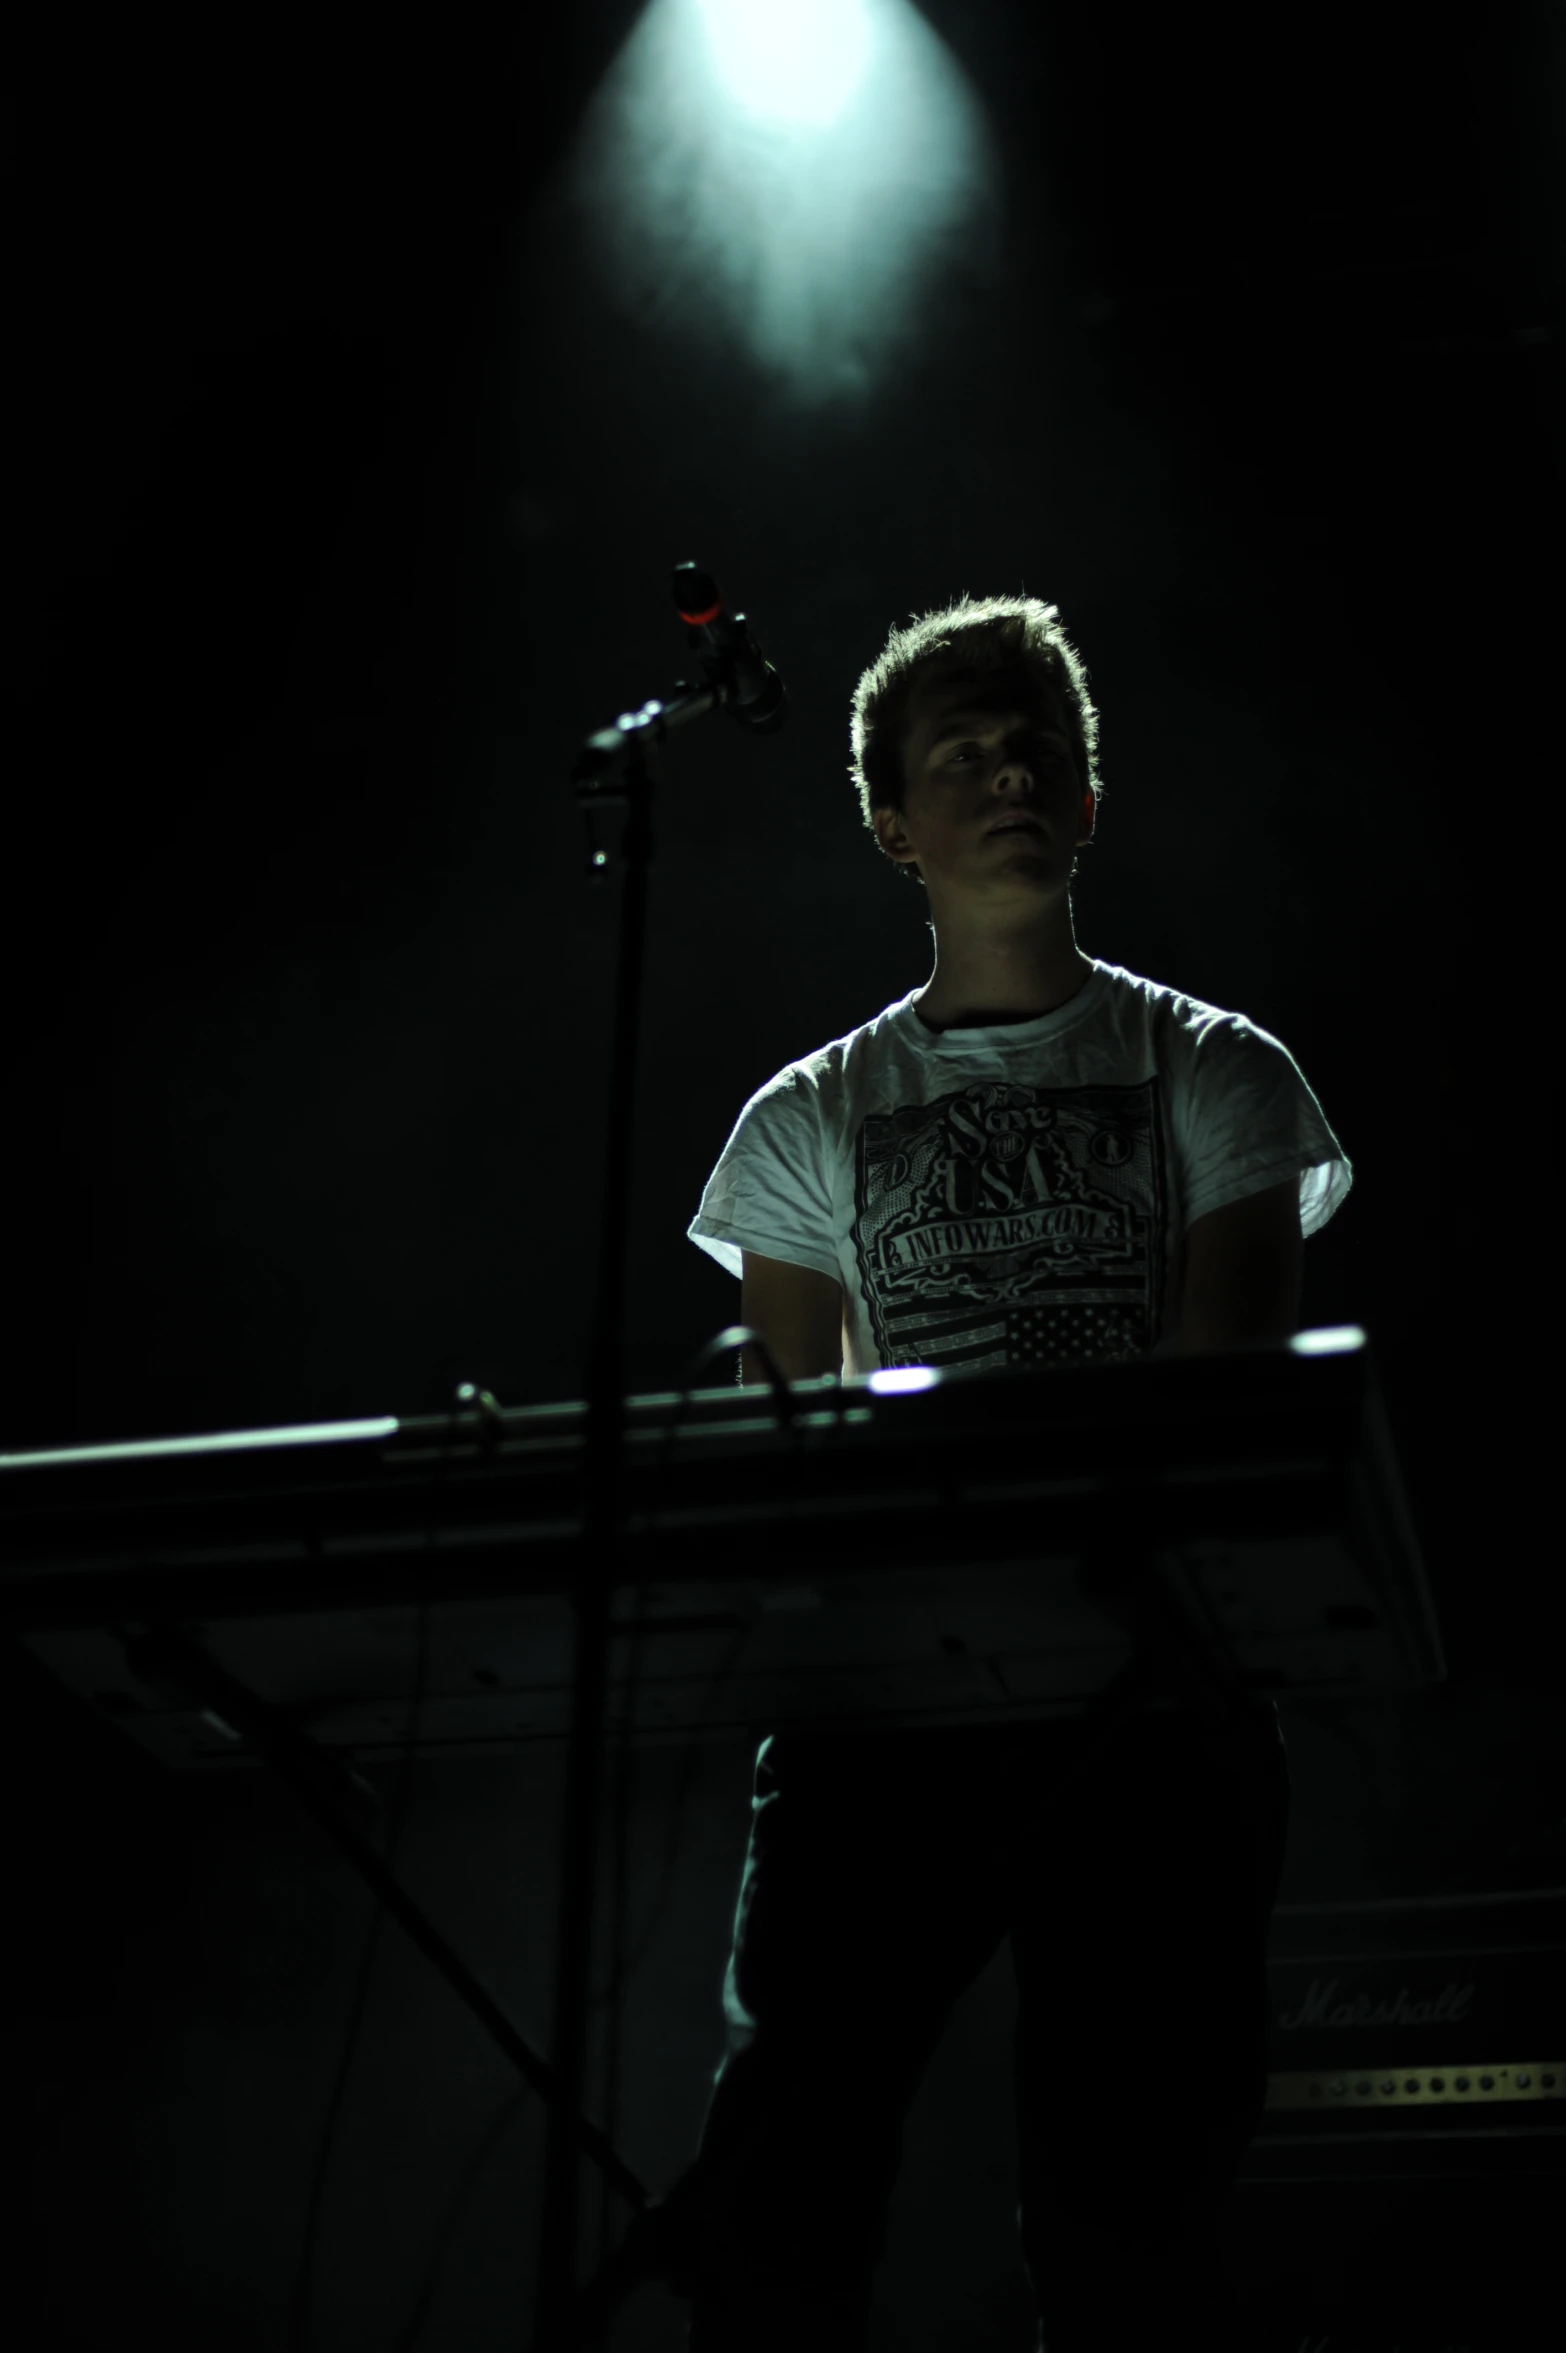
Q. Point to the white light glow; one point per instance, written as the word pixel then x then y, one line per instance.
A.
pixel 1331 1340
pixel 794 60
pixel 893 1379
pixel 813 184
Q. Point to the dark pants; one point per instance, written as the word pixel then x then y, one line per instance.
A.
pixel 882 1872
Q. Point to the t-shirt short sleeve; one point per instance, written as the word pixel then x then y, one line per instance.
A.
pixel 1249 1119
pixel 770 1191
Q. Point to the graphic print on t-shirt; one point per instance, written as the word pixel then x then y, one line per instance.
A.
pixel 1010 1225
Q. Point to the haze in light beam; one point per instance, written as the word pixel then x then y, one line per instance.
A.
pixel 814 181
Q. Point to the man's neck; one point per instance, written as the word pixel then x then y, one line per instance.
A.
pixel 985 981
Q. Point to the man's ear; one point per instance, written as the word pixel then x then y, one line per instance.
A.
pixel 889 833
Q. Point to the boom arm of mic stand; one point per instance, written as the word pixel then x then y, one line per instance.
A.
pixel 612 767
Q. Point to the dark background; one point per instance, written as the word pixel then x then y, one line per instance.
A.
pixel 342 504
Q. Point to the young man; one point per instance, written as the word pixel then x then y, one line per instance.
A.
pixel 1035 1158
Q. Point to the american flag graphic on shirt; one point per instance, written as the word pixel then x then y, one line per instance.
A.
pixel 1013 1225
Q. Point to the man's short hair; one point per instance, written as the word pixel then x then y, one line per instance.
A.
pixel 970 638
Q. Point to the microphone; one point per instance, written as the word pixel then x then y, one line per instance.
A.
pixel 747 685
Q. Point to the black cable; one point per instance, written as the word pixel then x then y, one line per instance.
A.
pixel 621 1969
pixel 734 1335
pixel 401 1805
pixel 435 2270
pixel 598 2302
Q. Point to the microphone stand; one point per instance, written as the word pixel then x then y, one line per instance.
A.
pixel 617 767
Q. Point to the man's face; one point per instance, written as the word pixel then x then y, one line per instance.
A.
pixel 979 757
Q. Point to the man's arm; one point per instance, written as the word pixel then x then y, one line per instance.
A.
pixel 799 1314
pixel 1244 1272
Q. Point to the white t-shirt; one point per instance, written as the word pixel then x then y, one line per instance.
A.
pixel 1017 1195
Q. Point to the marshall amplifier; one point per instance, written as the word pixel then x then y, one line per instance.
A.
pixel 1405 2188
